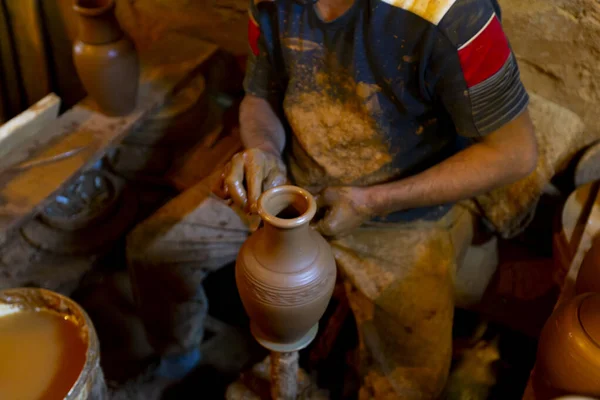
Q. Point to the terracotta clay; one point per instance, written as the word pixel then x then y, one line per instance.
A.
pixel 588 279
pixel 106 60
pixel 285 271
pixel 568 358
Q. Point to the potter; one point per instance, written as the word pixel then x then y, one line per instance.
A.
pixel 391 112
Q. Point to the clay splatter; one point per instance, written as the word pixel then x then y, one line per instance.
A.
pixel 299 44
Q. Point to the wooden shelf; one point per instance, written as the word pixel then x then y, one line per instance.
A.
pixel 87 134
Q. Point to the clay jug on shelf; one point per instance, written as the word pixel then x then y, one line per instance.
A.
pixel 285 271
pixel 105 59
pixel 588 279
pixel 568 358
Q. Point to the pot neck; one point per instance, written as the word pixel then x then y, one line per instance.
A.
pixel 286 240
pixel 97 23
pixel 286 250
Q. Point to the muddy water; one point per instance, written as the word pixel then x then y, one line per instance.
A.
pixel 41 356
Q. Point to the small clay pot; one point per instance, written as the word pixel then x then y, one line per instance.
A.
pixel 588 279
pixel 285 271
pixel 105 59
pixel 568 359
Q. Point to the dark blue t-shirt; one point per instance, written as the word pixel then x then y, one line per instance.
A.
pixel 386 90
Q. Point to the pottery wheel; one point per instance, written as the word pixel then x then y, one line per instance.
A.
pixel 285 347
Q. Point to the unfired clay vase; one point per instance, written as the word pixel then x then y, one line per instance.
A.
pixel 568 359
pixel 588 279
pixel 105 58
pixel 285 271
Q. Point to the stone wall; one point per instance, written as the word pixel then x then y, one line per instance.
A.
pixel 557 43
pixel 224 22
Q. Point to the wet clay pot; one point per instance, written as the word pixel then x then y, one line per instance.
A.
pixel 285 271
pixel 588 279
pixel 568 359
pixel 106 60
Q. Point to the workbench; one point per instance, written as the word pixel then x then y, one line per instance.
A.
pixel 37 169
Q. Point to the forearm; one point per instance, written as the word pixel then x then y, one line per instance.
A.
pixel 260 126
pixel 499 160
pixel 457 178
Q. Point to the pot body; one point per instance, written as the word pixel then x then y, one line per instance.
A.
pixel 568 359
pixel 105 59
pixel 285 277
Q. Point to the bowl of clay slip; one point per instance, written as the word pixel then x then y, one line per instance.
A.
pixel 49 347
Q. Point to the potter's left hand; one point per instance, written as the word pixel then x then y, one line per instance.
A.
pixel 347 209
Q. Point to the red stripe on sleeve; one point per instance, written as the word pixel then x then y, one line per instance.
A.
pixel 253 35
pixel 485 54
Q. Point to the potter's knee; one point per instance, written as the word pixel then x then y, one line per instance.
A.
pixel 410 384
pixel 139 242
pixel 134 246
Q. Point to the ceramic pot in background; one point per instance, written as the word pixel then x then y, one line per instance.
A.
pixel 568 359
pixel 568 228
pixel 105 59
pixel 588 279
pixel 285 271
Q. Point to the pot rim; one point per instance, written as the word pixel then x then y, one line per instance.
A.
pixel 93 11
pixel 92 354
pixel 287 223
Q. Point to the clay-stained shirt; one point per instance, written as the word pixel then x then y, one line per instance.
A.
pixel 386 90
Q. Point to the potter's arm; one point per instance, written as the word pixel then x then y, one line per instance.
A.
pixel 259 167
pixel 260 126
pixel 501 158
pixel 472 74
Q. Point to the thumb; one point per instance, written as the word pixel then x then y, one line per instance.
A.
pixel 320 200
pixel 329 225
pixel 327 197
pixel 323 226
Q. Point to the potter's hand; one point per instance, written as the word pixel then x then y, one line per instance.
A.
pixel 347 209
pixel 259 170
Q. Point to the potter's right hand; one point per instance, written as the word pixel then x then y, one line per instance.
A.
pixel 259 170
